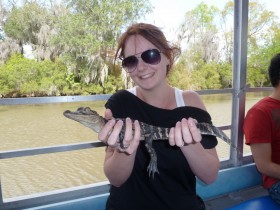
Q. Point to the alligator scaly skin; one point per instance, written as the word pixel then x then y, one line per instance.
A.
pixel 149 133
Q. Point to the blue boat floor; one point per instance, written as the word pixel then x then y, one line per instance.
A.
pixel 234 198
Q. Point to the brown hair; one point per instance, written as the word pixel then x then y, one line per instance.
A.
pixel 154 35
pixel 274 70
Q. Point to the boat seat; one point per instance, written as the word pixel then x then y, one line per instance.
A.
pixel 260 203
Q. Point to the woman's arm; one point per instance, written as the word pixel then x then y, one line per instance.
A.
pixel 118 163
pixel 203 162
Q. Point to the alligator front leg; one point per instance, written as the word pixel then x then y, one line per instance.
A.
pixel 152 167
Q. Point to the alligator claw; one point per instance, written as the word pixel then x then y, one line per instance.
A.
pixel 152 168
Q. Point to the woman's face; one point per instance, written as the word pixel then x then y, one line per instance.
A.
pixel 145 75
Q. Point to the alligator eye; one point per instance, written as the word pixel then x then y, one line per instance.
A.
pixel 88 110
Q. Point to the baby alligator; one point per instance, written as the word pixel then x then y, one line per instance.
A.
pixel 149 133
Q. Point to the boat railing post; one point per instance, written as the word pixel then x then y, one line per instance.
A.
pixel 1 196
pixel 239 78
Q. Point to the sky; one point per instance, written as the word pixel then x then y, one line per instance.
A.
pixel 168 14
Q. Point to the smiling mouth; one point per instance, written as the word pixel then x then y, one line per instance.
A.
pixel 147 76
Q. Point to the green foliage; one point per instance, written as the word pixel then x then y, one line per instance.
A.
pixel 225 71
pixel 200 33
pixel 180 75
pixel 25 77
pixel 207 77
pixel 25 22
pixel 52 77
pixel 204 48
pixel 89 30
pixel 205 15
pixel 74 48
pixel 82 33
pixel 15 73
pixel 270 48
pixel 113 84
pixel 256 77
pixel 261 22
pixel 22 76
pixel 259 61
pixel 91 89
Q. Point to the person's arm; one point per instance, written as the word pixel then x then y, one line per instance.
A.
pixel 262 156
pixel 203 162
pixel 118 163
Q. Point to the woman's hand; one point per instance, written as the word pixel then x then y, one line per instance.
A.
pixel 109 134
pixel 118 163
pixel 185 132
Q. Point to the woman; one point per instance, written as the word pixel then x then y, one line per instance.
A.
pixel 147 56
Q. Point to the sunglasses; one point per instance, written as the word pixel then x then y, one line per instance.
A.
pixel 151 56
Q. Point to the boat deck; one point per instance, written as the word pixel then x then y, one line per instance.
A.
pixel 234 198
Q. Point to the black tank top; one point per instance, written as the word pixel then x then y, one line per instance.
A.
pixel 174 188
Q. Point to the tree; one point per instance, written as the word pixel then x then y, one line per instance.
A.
pixel 205 44
pixel 226 17
pixel 21 76
pixel 24 23
pixel 259 61
pixel 207 77
pixel 83 33
pixel 260 25
pixel 8 47
pixel 199 33
pixel 88 31
pixel 17 72
pixel 3 15
pixel 180 75
pixel 225 71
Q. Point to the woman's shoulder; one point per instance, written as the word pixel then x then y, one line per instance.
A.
pixel 190 93
pixel 193 99
pixel 120 97
pixel 122 94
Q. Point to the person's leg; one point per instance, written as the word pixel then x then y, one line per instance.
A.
pixel 274 192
